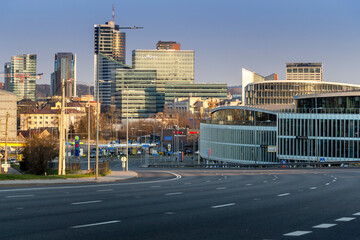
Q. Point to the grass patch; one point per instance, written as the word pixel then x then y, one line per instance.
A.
pixel 41 177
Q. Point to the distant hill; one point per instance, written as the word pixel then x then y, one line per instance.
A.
pixel 43 90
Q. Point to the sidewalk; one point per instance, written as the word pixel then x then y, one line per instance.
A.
pixel 114 176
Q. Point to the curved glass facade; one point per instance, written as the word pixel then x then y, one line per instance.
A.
pixel 283 91
pixel 239 135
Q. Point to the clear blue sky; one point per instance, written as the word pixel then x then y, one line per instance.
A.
pixel 260 35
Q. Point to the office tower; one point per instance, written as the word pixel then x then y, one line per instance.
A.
pixel 109 54
pixel 172 66
pixel 64 69
pixel 167 45
pixel 21 76
pixel 304 71
pixel 134 93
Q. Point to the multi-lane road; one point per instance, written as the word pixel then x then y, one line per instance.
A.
pixel 190 204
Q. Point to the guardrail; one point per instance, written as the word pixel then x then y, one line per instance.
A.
pixel 257 166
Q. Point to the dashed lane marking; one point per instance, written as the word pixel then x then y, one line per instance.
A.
pixel 20 196
pixel 105 190
pixel 169 213
pixel 297 233
pixel 95 224
pixel 313 188
pixel 327 184
pixel 174 193
pixel 325 225
pixel 88 202
pixel 221 188
pixel 357 214
pixel 345 219
pixel 283 194
pixel 249 184
pixel 223 205
pixel 155 186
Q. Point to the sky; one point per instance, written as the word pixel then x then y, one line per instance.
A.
pixel 227 35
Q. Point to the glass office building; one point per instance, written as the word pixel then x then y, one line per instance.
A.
pixel 109 54
pixel 64 69
pixel 283 91
pixel 172 66
pixel 328 133
pixel 21 76
pixel 134 93
pixel 239 134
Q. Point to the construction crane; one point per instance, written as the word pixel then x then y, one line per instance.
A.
pixel 117 26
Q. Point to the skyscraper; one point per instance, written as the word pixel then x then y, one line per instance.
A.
pixel 109 54
pixel 64 69
pixel 21 76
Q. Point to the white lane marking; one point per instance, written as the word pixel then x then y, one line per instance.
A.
pixel 20 208
pixel 105 190
pixel 187 183
pixel 177 177
pixel 223 205
pixel 249 184
pixel 221 188
pixel 357 214
pixel 20 196
pixel 155 186
pixel 345 219
pixel 208 181
pixel 257 199
pixel 274 179
pixel 169 213
pixel 327 184
pixel 313 188
pixel 334 180
pixel 88 202
pixel 325 225
pixel 265 181
pixel 174 193
pixel 283 194
pixel 297 233
pixel 95 224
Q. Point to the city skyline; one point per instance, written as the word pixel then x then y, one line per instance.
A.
pixel 226 36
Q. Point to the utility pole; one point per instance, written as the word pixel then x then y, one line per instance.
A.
pixel 0 148
pixel 6 136
pixel 127 127
pixel 61 170
pixel 89 130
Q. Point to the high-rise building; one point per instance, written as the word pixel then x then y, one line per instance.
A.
pixel 134 93
pixel 172 66
pixel 20 76
pixel 304 71
pixel 167 45
pixel 109 54
pixel 64 69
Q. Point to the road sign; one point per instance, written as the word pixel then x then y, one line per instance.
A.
pixel 271 148
pixel 168 138
pixel 209 151
pixel 123 159
pixel 322 159
pixel 5 166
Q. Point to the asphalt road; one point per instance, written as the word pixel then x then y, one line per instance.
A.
pixel 190 204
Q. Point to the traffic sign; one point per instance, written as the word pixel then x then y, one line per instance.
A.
pixel 123 158
pixel 193 132
pixel 5 166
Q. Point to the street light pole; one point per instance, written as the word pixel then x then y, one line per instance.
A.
pixel 97 130
pixel 127 127
pixel 89 108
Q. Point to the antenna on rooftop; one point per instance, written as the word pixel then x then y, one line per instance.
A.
pixel 113 13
